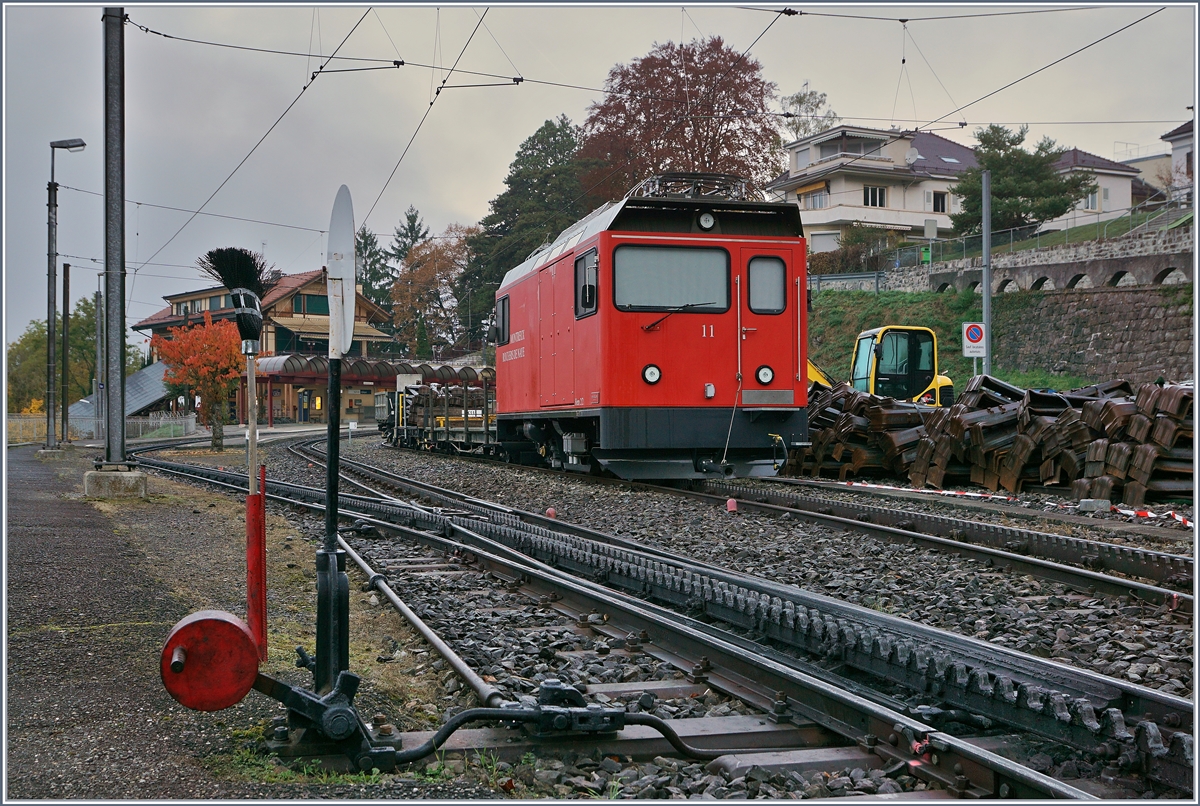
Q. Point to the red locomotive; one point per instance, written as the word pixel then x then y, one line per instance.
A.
pixel 661 337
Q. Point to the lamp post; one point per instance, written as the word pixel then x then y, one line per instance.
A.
pixel 51 281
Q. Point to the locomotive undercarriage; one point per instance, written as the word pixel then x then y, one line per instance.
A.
pixel 664 443
pixel 630 443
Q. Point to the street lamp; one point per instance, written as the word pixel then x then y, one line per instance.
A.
pixel 51 281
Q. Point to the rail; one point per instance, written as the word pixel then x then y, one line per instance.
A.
pixel 724 664
pixel 1078 707
pixel 1160 206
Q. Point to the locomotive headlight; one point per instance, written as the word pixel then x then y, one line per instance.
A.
pixel 764 374
pixel 707 221
pixel 651 374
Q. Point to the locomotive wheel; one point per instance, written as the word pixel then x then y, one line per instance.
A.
pixel 210 661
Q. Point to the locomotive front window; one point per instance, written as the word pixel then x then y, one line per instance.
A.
pixel 671 278
pixel 768 285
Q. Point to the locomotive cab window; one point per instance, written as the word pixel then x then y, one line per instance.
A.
pixel 586 270
pixel 671 278
pixel 767 285
pixel 502 320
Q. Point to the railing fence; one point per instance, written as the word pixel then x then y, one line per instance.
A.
pixel 32 427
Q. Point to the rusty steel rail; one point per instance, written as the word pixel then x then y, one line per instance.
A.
pixel 1081 708
pixel 1096 555
pixel 959 767
pixel 861 518
pixel 1017 548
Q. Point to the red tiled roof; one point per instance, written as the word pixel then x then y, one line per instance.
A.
pixel 1178 131
pixel 1077 158
pixel 289 284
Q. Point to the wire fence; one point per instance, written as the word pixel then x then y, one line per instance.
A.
pixel 1084 226
pixel 32 427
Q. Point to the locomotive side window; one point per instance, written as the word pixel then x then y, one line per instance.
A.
pixel 767 285
pixel 586 271
pixel 502 320
pixel 671 278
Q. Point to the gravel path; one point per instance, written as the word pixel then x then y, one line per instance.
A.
pixel 92 591
pixel 1114 636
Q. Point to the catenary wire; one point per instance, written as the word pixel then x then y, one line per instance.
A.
pixel 1022 78
pixel 251 152
pixel 930 66
pixel 424 117
pixel 497 41
pixel 390 63
pixel 917 19
pixel 198 212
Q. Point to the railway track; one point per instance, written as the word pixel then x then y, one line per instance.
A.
pixel 1080 564
pixel 1132 726
pixel 1018 546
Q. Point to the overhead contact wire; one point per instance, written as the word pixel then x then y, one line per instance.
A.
pixel 252 150
pixel 428 109
pixel 1022 78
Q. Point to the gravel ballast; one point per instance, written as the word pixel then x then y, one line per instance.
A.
pixel 1116 636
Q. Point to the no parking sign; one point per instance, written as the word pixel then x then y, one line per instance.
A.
pixel 973 342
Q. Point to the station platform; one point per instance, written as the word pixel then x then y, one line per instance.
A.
pixel 87 712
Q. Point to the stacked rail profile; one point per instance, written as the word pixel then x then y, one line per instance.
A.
pixel 1103 441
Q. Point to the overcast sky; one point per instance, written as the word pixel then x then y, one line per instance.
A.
pixel 194 111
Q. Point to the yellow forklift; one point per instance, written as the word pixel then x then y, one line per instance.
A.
pixel 900 361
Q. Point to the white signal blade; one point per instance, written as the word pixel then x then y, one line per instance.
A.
pixel 341 265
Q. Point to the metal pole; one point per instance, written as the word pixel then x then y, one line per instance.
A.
pixel 114 233
pixel 987 272
pixel 333 586
pixel 251 425
pixel 66 354
pixel 98 381
pixel 51 288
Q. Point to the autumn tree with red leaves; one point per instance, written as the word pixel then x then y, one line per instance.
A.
pixel 207 358
pixel 699 107
pixel 425 305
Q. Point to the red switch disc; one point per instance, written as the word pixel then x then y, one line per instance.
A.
pixel 210 661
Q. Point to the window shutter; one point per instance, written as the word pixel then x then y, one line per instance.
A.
pixel 929 200
pixel 1106 194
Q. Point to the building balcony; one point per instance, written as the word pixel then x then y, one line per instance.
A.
pixel 841 215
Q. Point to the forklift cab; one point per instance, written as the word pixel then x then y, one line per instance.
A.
pixel 900 362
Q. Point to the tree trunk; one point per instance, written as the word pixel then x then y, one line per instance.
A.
pixel 216 419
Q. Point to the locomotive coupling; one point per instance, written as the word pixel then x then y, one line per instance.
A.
pixel 711 466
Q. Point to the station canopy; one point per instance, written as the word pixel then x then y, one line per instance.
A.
pixel 310 369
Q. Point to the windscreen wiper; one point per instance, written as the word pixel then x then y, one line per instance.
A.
pixel 676 309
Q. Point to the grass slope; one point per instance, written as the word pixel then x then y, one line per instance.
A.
pixel 839 316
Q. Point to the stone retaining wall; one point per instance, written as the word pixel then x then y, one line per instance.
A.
pixel 1135 333
pixel 1170 242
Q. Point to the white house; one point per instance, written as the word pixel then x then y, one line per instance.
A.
pixel 1113 195
pixel 1181 140
pixel 887 179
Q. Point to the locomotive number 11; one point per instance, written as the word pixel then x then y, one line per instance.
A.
pixel 706 331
